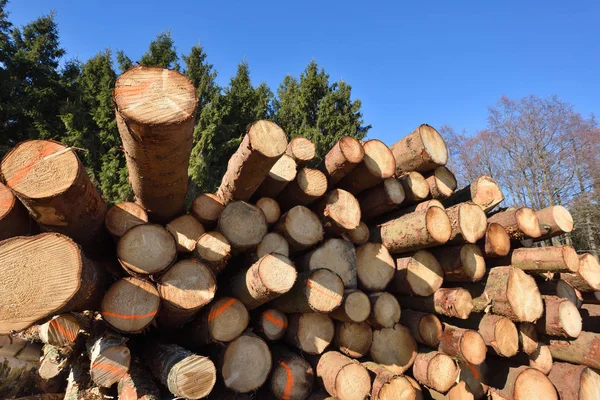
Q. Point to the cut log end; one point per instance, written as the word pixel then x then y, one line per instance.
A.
pixel 273 324
pixel 311 332
pixel 292 378
pixel 438 224
pixel 528 338
pixel 302 150
pixel 146 249
pixel 506 337
pixel 360 234
pixel 355 308
pixel 588 274
pixel 61 330
pixel 541 359
pixel 434 144
pixel 497 241
pixel 213 248
pixel 394 348
pixel 130 304
pixel 385 310
pixel 486 193
pixel 188 285
pixel 570 318
pixel 422 150
pixel 324 290
pixel 193 377
pixel 524 296
pixel 267 138
pixel 339 211
pixel 301 227
pixel 270 208
pixel 430 330
pixel 435 370
pixel 110 365
pixel 227 319
pixel 186 231
pixel 353 339
pixel 236 372
pixel 531 384
pixel 473 347
pixel 273 243
pixel 124 216
pixel 442 183
pixel 243 224
pixel 207 209
pixel 554 221
pixel 472 222
pixel 379 159
pixel 528 222
pixel 352 382
pixel 343 157
pixel 415 187
pixel 473 262
pixel 420 274
pixel 375 267
pixel 590 382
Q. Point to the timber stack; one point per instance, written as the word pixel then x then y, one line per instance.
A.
pixel 364 274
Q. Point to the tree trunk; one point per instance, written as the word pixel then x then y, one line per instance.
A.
pixel 499 333
pixel 520 383
pixel 186 231
pixel 310 184
pixel 267 279
pixel 483 191
pixel 355 307
pixel 528 337
pixel 520 223
pixel 62 330
pixel 45 275
pixel 207 209
pixel 496 242
pixel 464 344
pixel 146 250
pixel 336 255
pixel 343 377
pixel 301 150
pixel 587 277
pixel 381 199
pixel 554 221
pixel 542 259
pixel 184 373
pixel 375 267
pixel 422 150
pixel 353 338
pixel 561 318
pixel 14 218
pixel 359 235
pixel 243 225
pixel 584 350
pixel 263 145
pixel 273 243
pixel 319 290
pixel 292 377
pixel 461 263
pixel 137 383
pixel 389 386
pixel 270 208
pixel 376 166
pixel 22 349
pixel 271 324
pixel 235 368
pixel 451 302
pixel 157 132
pixel 310 332
pixel 469 223
pixel 415 187
pixel 394 348
pixel 441 182
pixel 130 305
pixel 385 310
pixel 51 182
pixel 55 363
pixel 343 157
pixel 338 211
pixel 426 328
pixel 419 274
pixel 184 289
pixel 300 227
pixel 214 250
pixel 109 356
pixel 123 216
pixel 419 230
pixel 221 321
pixel 576 382
pixel 280 175
pixel 435 370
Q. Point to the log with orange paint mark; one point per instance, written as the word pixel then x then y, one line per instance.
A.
pixel 292 377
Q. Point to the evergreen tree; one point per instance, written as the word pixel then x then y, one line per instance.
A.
pixel 162 53
pixel 202 75
pixel 123 61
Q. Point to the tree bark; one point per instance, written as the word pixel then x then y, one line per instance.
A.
pixel 207 209
pixel 483 191
pixel 587 277
pixel 14 218
pixel 282 173
pixel 451 302
pixel 137 383
pixel 542 259
pixel 130 305
pixel 441 182
pixel 300 227
pixel 394 348
pixel 584 350
pixel 339 212
pixel 343 157
pixel 381 199
pixel 464 344
pixel 576 382
pixel 343 377
pixel 310 332
pixel 422 150
pixel 520 223
pixel 461 263
pixel 109 356
pixel 337 255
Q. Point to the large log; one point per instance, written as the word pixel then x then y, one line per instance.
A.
pixel 426 328
pixel 271 324
pixel 496 242
pixel 319 290
pixel 184 373
pixel 243 225
pixel 519 383
pixel 415 187
pixel 22 349
pixel 542 259
pixel 375 267
pixel 50 180
pixel 355 307
pixel 451 302
pixel 280 175
pixel 235 370
pixel 390 386
pixel 576 382
pixel 137 383
pixel 584 350
pixel 561 318
pixel 130 304
pixel 292 377
pixel 337 255
pixel 146 250
pixel 408 210
pixel 207 209
pixel 441 182
pixel 461 263
pixel 418 274
pixel 498 332
pixel 184 289
pixel 353 338
pixel 483 191
pixel 18 378
pixel 301 150
pixel 435 370
pixel 422 150
pixel 554 221
pixel 221 321
pixel 300 227
pixel 270 208
pixel 343 157
pixel 343 377
pixel 14 218
pixel 520 223
pixel 376 166
pixel 464 344
pixel 415 231
pixel 385 310
pixel 155 110
pixel 214 250
pixel 587 277
pixel 268 278
pixel 339 212
pixel 469 222
pixel 263 144
pixel 394 348
pixel 123 216
pixel 109 356
pixel 273 243
pixel 381 199
pixel 186 231
pixel 44 275
pixel 510 292
pixel 310 184
pixel 310 332
pixel 360 234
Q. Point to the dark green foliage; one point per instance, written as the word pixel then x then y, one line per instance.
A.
pixel 201 74
pixel 162 53
pixel 124 62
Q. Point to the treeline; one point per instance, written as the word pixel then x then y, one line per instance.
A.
pixel 45 96
pixel 542 153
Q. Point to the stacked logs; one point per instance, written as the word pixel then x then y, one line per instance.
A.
pixel 365 274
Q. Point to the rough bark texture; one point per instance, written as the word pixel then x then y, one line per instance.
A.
pixel 422 150
pixel 576 382
pixel 381 199
pixel 451 302
pixel 483 191
pixel 343 157
pixel 339 212
pixel 542 259
pixel 584 350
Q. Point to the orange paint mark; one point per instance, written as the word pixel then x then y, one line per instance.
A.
pixel 123 316
pixel 215 313
pixel 275 321
pixel 71 336
pixel 287 391
pixel 313 285
pixel 473 370
pixel 132 90
pixel 47 149
pixel 110 368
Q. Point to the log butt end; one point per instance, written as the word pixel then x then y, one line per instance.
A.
pixel 533 384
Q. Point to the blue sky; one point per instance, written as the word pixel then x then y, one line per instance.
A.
pixel 436 62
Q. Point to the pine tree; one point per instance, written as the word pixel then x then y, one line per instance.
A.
pixel 162 53
pixel 123 61
pixel 201 74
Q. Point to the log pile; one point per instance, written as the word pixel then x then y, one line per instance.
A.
pixel 365 274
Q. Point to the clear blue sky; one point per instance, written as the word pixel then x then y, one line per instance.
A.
pixel 439 62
